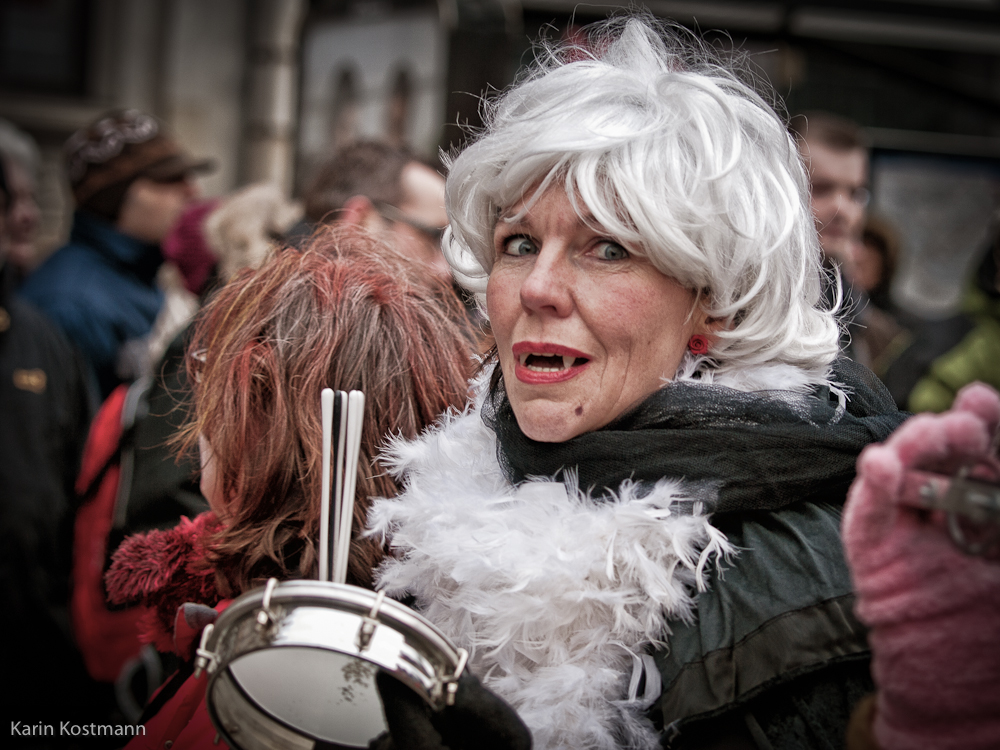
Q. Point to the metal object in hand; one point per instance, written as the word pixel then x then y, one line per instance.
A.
pixel 294 664
pixel 972 508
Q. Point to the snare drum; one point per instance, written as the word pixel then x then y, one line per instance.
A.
pixel 294 664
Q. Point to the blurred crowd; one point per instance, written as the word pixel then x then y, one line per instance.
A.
pixel 923 362
pixel 92 354
pixel 94 386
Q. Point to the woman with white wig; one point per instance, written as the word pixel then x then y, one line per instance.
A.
pixel 634 529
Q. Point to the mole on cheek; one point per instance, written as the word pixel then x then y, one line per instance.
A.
pixel 579 410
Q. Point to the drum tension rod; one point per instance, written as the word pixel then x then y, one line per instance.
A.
pixel 451 684
pixel 265 617
pixel 369 623
pixel 204 657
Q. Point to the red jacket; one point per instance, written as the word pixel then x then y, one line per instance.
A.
pixel 183 720
pixel 166 573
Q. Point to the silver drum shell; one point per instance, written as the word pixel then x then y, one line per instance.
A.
pixel 326 617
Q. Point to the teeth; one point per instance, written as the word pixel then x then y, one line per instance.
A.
pixel 567 362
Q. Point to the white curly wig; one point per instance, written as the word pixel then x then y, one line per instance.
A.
pixel 678 160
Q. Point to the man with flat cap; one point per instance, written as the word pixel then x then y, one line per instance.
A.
pixel 130 182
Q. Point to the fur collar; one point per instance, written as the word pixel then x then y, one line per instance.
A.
pixel 555 596
pixel 162 571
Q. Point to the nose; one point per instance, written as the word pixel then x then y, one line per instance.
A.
pixel 549 287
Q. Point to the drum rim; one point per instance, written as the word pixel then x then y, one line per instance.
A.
pixel 303 592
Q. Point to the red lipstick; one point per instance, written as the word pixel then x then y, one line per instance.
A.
pixel 538 363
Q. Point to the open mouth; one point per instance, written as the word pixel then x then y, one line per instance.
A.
pixel 546 363
pixel 537 362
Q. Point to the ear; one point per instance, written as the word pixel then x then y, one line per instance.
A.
pixel 709 327
pixel 359 211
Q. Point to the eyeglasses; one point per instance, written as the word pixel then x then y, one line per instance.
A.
pixel 197 360
pixel 391 213
pixel 859 195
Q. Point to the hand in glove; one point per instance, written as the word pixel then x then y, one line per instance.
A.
pixel 934 611
pixel 479 720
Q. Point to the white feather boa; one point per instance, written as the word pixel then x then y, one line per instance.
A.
pixel 551 593
pixel 554 596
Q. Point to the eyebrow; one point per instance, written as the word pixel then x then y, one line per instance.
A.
pixel 507 215
pixel 504 215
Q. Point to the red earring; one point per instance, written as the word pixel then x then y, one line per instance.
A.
pixel 698 344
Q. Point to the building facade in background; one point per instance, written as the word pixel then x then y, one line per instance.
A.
pixel 269 87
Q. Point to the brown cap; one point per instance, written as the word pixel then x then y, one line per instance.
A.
pixel 121 147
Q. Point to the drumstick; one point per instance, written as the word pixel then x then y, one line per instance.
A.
pixel 355 423
pixel 355 413
pixel 340 420
pixel 326 407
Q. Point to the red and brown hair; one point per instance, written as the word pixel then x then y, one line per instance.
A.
pixel 346 313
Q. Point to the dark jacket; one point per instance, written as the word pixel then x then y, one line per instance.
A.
pixel 771 657
pixel 44 414
pixel 776 657
pixel 100 288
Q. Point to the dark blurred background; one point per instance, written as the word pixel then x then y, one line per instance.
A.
pixel 269 87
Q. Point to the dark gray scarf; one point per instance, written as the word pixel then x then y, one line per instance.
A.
pixel 751 451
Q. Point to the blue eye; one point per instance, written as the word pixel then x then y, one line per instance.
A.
pixel 519 246
pixel 611 251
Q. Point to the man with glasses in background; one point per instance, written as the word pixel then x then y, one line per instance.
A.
pixel 387 191
pixel 836 158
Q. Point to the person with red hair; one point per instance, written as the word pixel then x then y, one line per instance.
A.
pixel 346 313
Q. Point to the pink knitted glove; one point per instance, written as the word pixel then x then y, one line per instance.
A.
pixel 934 611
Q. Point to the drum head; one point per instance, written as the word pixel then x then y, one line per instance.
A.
pixel 323 694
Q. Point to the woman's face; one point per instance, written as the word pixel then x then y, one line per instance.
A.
pixel 584 328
